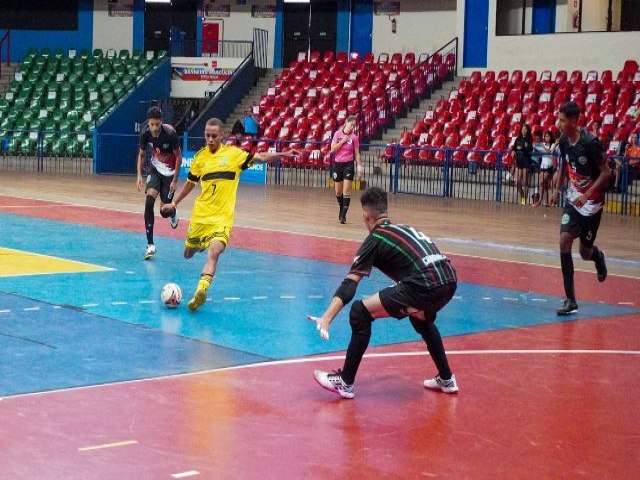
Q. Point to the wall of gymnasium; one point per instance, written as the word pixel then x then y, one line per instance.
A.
pixel 111 31
pixel 239 24
pixel 566 51
pixel 23 40
pixel 422 27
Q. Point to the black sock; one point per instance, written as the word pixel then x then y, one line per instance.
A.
pixel 566 262
pixel 595 254
pixel 339 199
pixel 345 206
pixel 431 336
pixel 357 346
pixel 148 218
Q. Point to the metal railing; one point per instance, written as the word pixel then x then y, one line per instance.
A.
pixel 6 39
pixel 181 47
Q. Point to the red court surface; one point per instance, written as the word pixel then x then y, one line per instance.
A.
pixel 550 401
pixel 555 409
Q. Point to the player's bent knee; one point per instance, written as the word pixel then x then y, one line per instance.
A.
pixel 359 318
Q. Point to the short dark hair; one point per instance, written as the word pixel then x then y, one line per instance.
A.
pixel 155 113
pixel 570 109
pixel 375 199
pixel 214 122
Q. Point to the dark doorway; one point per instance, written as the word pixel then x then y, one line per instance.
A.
pixel 171 26
pixel 309 26
pixel 630 18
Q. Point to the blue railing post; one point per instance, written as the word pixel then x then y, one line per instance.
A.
pixel 446 173
pixel 394 180
pixel 40 150
pixel 499 178
pixel 624 185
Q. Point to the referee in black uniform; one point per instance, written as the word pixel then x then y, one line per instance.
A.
pixel 426 281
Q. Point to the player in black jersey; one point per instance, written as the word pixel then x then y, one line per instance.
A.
pixel 582 157
pixel 166 158
pixel 426 281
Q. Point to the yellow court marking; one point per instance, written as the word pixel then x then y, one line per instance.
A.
pixel 17 262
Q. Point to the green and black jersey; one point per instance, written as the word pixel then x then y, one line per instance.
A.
pixel 403 254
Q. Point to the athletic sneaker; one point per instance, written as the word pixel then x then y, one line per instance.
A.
pixel 601 267
pixel 334 383
pixel 174 220
pixel 568 307
pixel 437 382
pixel 150 251
pixel 198 300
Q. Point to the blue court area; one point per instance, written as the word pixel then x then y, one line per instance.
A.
pixel 69 329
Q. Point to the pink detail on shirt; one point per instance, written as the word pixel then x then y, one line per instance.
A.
pixel 346 153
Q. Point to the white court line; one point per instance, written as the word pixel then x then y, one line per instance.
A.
pixel 288 297
pixel 443 240
pixel 538 299
pixel 146 301
pixel 5 311
pixel 190 473
pixel 294 361
pixel 457 297
pixel 57 306
pixel 232 299
pixel 129 272
pixel 314 296
pixel 87 305
pixel 510 299
pixel 118 303
pixel 259 297
pixel 108 445
pixel 625 303
pixel 31 309
pixel 486 298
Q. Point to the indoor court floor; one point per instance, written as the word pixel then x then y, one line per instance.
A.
pixel 98 380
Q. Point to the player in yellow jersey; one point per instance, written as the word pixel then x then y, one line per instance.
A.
pixel 217 167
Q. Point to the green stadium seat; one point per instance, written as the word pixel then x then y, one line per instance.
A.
pixel 84 54
pixel 97 53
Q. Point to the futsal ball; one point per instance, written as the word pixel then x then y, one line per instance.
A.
pixel 171 295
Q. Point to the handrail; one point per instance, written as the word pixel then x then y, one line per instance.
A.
pixel 396 82
pixel 7 37
pixel 212 98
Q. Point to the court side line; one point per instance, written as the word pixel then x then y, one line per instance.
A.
pixel 326 358
pixel 100 267
pixel 313 235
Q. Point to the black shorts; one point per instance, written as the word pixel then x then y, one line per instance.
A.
pixel 580 225
pixel 523 162
pixel 406 298
pixel 344 171
pixel 161 183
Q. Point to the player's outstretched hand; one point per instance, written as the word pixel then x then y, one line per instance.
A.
pixel 322 326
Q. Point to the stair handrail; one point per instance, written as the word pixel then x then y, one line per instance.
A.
pixel 5 38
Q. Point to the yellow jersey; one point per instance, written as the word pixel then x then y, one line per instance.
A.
pixel 218 174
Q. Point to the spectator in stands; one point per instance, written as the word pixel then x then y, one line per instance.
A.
pixel 521 152
pixel 237 130
pixel 251 124
pixel 595 129
pixel 632 154
pixel 346 146
pixel 546 148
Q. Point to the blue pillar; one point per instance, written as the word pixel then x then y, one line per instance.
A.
pixel 138 25
pixel 476 32
pixel 343 21
pixel 278 36
pixel 362 26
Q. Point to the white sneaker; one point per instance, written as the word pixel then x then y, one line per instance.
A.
pixel 447 386
pixel 334 383
pixel 173 221
pixel 150 251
